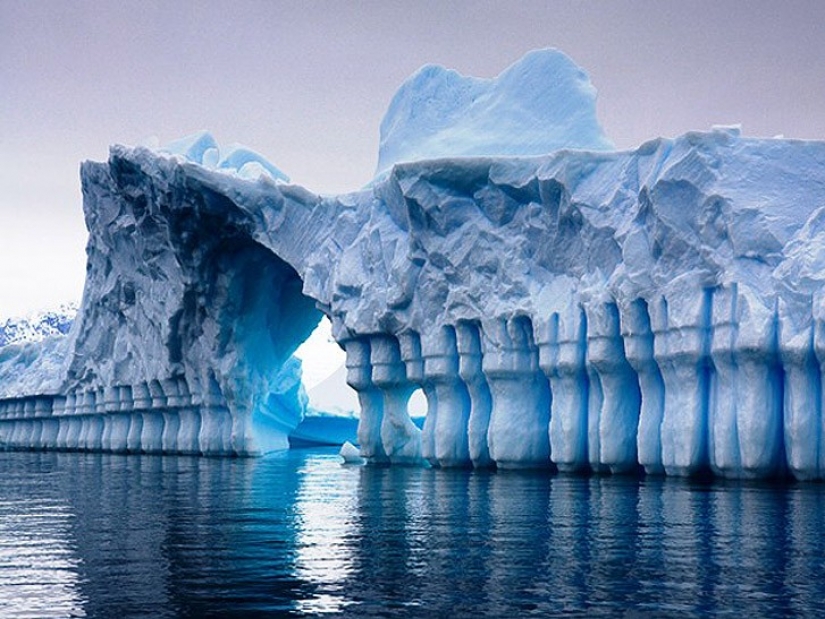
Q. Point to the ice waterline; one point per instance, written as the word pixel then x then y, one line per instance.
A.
pixel 657 309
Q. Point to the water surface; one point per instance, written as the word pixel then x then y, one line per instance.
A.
pixel 298 534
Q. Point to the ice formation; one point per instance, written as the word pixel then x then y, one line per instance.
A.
pixel 658 308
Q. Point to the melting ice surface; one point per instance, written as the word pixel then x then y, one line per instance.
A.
pixel 578 307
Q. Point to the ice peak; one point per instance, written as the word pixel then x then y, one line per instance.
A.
pixel 542 103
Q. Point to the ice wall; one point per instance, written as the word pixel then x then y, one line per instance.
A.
pixel 608 311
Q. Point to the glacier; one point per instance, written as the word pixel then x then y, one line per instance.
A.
pixel 37 326
pixel 585 309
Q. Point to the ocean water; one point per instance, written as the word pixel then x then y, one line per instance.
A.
pixel 297 534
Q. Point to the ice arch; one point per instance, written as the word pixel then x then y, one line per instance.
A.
pixel 187 328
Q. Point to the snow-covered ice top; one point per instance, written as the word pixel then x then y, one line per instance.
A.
pixel 38 325
pixel 542 103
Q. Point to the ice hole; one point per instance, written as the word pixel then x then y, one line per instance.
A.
pixel 417 406
pixel 325 377
pixel 325 373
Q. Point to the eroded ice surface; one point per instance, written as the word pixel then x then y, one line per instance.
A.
pixel 660 307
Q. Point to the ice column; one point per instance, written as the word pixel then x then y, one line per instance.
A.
pixel 452 399
pixel 399 435
pixel 410 345
pixel 468 341
pixel 171 417
pixel 745 421
pixel 562 351
pixel 359 377
pixel 819 350
pixel 681 328
pixel 612 441
pixel 518 435
pixel 190 420
pixel 816 413
pixel 802 392
pixel 151 433
pixel 638 346
pixel 215 422
pixel 117 433
pixel 63 428
pixel 111 402
pixel 51 425
pixel 142 401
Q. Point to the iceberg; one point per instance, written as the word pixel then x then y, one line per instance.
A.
pixel 237 160
pixel 583 309
pixel 317 429
pixel 350 454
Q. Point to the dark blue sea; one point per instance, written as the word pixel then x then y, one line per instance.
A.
pixel 297 534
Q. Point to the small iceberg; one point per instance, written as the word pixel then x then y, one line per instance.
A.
pixel 351 454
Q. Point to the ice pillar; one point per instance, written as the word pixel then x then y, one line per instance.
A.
pixel 638 346
pixel 441 371
pixel 215 421
pixel 562 343
pixel 802 407
pixel 817 415
pixel 468 341
pixel 681 328
pixel 745 416
pixel 518 434
pixel 612 428
pixel 359 377
pixel 399 435
pixel 410 345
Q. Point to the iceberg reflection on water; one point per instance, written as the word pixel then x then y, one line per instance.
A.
pixel 296 533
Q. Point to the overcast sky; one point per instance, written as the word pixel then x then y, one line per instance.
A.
pixel 306 84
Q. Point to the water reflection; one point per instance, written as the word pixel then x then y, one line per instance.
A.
pixel 297 534
pixel 325 513
pixel 39 569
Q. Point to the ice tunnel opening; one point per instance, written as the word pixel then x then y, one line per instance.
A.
pixel 261 317
pixel 324 373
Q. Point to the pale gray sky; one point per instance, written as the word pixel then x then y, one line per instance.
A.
pixel 306 84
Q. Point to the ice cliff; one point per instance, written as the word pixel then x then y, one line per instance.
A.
pixel 590 310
